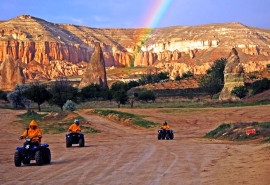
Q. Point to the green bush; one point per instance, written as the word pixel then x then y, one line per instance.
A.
pixel 260 86
pixel 146 96
pixel 212 133
pixel 70 105
pixel 240 91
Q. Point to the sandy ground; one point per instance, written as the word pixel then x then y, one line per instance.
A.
pixel 128 156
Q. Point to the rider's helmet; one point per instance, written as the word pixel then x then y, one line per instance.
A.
pixel 76 121
pixel 165 123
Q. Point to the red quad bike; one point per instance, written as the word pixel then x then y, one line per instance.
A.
pixel 165 134
pixel 32 151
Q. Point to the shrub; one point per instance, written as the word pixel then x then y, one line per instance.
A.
pixel 70 105
pixel 213 133
pixel 260 86
pixel 147 96
pixel 240 91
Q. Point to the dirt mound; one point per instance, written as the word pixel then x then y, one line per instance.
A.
pixel 261 97
pixel 241 131
pixel 60 116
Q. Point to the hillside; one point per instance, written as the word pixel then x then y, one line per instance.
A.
pixel 47 50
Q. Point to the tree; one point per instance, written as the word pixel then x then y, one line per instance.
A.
pixel 116 86
pixel 213 81
pixel 132 83
pixel 62 91
pixel 187 75
pixel 217 70
pixel 3 95
pixel 95 91
pixel 120 97
pixel 37 93
pixel 146 96
pixel 163 76
pixel 90 92
pixel 16 97
pixel 119 92
pixel 153 78
pixel 240 91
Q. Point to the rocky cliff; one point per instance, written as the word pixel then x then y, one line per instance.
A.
pixel 47 49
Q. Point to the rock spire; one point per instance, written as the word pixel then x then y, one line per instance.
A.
pixel 95 72
pixel 233 76
pixel 10 74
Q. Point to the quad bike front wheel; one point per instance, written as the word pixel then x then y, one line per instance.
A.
pixel 68 143
pixel 47 156
pixel 159 136
pixel 81 142
pixel 39 158
pixel 17 159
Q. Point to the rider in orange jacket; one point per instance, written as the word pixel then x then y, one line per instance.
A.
pixel 33 132
pixel 165 126
pixel 75 127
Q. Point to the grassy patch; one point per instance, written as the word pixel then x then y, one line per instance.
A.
pixel 218 130
pixel 170 102
pixel 123 116
pixel 27 117
pixel 55 122
pixel 237 131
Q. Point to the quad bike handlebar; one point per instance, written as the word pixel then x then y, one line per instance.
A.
pixel 22 137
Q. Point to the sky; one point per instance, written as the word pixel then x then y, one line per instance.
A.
pixel 141 13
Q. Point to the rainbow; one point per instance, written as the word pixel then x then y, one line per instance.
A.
pixel 156 13
pixel 158 10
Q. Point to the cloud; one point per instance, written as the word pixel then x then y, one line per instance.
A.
pixel 76 20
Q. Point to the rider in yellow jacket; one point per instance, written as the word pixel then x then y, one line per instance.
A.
pixel 33 132
pixel 75 127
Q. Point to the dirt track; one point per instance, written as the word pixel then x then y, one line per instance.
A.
pixel 122 155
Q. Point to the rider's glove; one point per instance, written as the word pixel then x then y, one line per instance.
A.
pixel 21 137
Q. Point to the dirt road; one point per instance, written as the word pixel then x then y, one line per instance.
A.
pixel 121 155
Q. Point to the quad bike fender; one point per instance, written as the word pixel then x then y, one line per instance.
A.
pixel 21 148
pixel 44 145
pixel 33 148
pixel 79 135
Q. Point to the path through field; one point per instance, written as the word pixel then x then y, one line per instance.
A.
pixel 121 155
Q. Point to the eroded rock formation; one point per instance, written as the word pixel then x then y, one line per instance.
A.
pixel 233 76
pixel 10 74
pixel 95 72
pixel 49 49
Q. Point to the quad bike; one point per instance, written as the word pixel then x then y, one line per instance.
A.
pixel 32 151
pixel 74 138
pixel 165 134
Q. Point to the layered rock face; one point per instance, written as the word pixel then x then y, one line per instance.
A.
pixel 47 50
pixel 95 72
pixel 10 74
pixel 233 76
